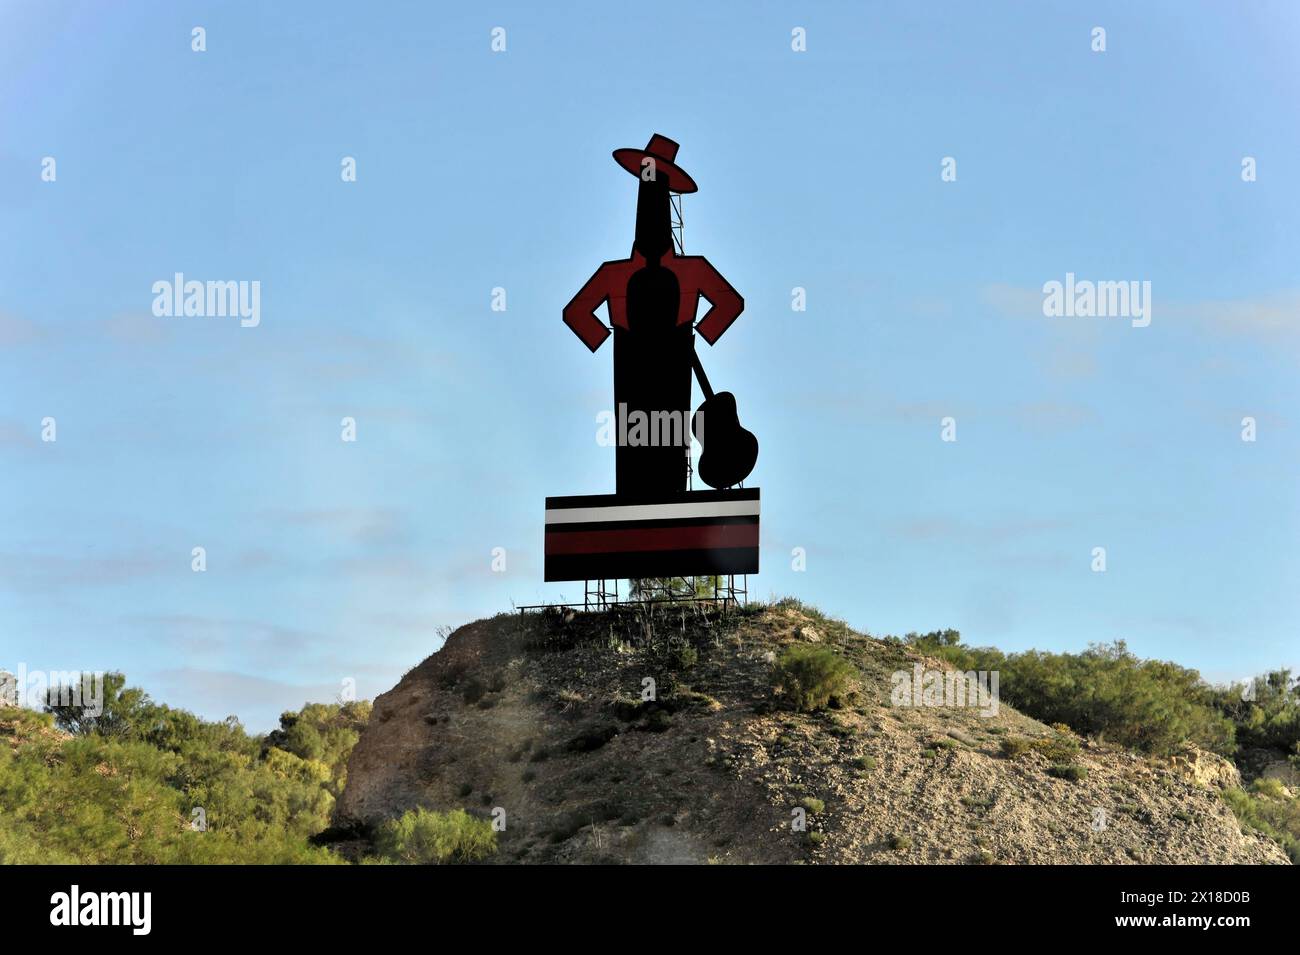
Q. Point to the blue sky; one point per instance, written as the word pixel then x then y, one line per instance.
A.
pixel 819 169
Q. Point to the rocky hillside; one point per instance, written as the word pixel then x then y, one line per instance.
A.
pixel 545 717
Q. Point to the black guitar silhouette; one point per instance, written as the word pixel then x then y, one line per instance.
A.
pixel 731 451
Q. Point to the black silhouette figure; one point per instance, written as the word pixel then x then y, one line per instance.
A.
pixel 652 359
pixel 652 297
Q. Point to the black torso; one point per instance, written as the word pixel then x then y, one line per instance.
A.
pixel 652 362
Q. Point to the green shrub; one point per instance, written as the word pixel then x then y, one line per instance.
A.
pixel 900 842
pixel 124 788
pixel 683 657
pixel 1106 691
pixel 424 837
pixel 1059 748
pixel 1270 716
pixel 813 805
pixel 810 676
pixel 473 690
pixel 1150 705
pixel 1071 771
pixel 1013 747
pixel 1277 819
pixel 866 763
pixel 1272 788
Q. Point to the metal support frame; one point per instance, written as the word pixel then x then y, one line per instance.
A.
pixel 729 591
pixel 678 224
pixel 599 594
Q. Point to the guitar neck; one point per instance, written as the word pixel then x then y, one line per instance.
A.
pixel 699 373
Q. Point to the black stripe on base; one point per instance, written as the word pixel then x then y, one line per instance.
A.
pixel 552 529
pixel 662 563
pixel 683 497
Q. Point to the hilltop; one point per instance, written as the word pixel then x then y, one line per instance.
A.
pixel 543 720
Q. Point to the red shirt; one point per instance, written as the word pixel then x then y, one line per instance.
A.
pixel 695 276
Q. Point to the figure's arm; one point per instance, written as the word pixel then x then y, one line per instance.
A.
pixel 580 314
pixel 724 301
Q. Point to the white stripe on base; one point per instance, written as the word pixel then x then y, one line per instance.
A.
pixel 651 512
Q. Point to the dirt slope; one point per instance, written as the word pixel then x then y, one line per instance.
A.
pixel 542 717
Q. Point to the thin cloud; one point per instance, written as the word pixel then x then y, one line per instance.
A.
pixel 933 529
pixel 364 525
pixel 1053 416
pixel 257 699
pixel 15 435
pixel 137 328
pixel 45 573
pixel 16 331
pixel 1272 320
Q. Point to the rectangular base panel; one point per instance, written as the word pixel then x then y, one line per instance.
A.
pixel 692 533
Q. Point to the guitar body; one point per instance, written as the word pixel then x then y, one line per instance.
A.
pixel 730 452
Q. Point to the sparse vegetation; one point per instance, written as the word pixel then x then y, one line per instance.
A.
pixel 120 789
pixel 422 837
pixel 682 656
pixel 1269 811
pixel 811 676
pixel 658 721
pixel 593 737
pixel 144 783
pixel 1061 747
pixel 1109 693
pixel 472 691
pixel 1071 771
pixel 831 629
pixel 1013 747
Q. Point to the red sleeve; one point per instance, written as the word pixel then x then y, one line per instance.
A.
pixel 726 303
pixel 580 315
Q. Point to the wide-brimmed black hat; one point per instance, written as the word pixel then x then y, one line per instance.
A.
pixel 664 153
